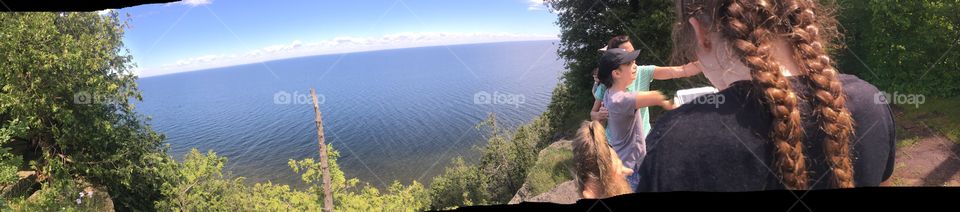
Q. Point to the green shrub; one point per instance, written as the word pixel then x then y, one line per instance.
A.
pixel 904 46
pixel 501 170
pixel 353 195
pixel 65 90
pixel 201 186
pixel 554 166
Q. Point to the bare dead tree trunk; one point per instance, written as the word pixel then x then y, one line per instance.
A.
pixel 327 194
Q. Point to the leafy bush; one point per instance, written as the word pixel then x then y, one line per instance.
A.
pixel 501 170
pixel 554 166
pixel 65 92
pixel 353 195
pixel 904 46
pixel 8 161
pixel 201 186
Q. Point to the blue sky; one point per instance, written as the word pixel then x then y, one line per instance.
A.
pixel 199 34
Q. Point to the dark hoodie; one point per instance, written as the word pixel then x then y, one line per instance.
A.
pixel 720 142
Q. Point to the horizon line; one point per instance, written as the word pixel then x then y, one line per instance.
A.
pixel 350 51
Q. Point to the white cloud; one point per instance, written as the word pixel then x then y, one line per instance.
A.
pixel 194 3
pixel 536 5
pixel 104 12
pixel 336 45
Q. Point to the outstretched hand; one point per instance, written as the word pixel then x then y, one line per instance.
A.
pixel 692 68
pixel 667 105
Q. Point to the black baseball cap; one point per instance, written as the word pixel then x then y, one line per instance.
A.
pixel 612 58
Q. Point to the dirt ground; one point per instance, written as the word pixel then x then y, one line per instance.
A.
pixel 927 159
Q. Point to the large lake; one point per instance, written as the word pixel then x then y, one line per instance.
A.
pixel 398 114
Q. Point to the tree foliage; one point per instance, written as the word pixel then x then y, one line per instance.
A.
pixel 354 195
pixel 201 186
pixel 503 165
pixel 66 91
pixel 904 46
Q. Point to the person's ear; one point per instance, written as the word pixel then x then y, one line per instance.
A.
pixel 615 73
pixel 587 190
pixel 702 39
pixel 587 194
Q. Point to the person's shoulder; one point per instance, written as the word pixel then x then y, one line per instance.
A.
pixel 712 105
pixel 731 110
pixel 619 96
pixel 875 130
pixel 663 126
pixel 646 67
pixel 863 97
pixel 690 121
pixel 853 85
pixel 599 92
pixel 644 77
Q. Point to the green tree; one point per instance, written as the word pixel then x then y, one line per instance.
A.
pixel 66 91
pixel 904 46
pixel 354 195
pixel 503 165
pixel 201 186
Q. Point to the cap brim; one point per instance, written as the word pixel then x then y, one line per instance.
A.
pixel 631 56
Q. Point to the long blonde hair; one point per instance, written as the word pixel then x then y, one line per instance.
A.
pixel 592 157
pixel 808 27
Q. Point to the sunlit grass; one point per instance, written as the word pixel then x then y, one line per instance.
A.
pixel 553 167
pixel 939 114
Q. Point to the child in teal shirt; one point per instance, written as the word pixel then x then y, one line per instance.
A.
pixel 627 102
pixel 645 75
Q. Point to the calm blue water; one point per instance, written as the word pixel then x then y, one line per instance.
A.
pixel 397 114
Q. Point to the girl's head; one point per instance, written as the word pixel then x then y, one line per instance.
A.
pixel 743 33
pixel 617 65
pixel 594 73
pixel 620 41
pixel 600 173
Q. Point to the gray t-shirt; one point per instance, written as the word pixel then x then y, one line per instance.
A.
pixel 625 128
